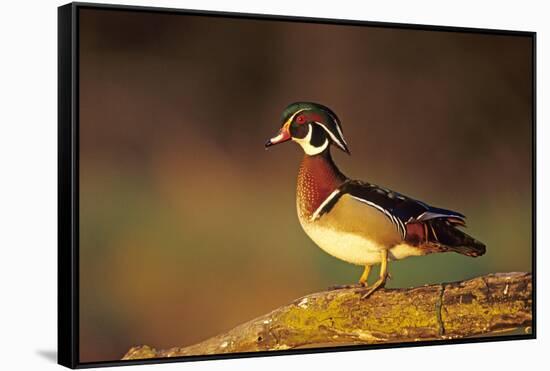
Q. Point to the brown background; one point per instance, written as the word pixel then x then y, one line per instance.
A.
pixel 188 227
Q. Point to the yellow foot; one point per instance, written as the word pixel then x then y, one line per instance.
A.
pixel 381 282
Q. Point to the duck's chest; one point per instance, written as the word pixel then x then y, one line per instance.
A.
pixel 318 177
pixel 352 231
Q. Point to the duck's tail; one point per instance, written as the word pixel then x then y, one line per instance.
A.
pixel 444 233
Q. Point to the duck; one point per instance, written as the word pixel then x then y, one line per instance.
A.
pixel 356 221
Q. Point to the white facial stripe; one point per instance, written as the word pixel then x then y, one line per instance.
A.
pixel 338 128
pixel 340 132
pixel 338 143
pixel 306 145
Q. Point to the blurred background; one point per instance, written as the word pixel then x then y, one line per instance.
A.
pixel 188 226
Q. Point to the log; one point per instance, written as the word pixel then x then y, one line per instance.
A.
pixel 483 305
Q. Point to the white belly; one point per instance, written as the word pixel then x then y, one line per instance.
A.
pixel 356 233
pixel 354 248
pixel 349 247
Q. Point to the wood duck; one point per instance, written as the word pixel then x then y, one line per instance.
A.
pixel 358 222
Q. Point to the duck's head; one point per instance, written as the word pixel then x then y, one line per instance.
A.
pixel 311 125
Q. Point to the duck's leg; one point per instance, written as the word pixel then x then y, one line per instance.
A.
pixel 362 281
pixel 365 276
pixel 381 282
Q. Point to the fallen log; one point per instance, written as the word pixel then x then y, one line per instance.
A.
pixel 483 305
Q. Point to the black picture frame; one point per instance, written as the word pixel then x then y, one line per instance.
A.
pixel 68 181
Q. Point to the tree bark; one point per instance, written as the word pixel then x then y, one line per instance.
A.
pixel 483 305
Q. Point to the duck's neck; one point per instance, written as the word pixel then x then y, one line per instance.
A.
pixel 317 179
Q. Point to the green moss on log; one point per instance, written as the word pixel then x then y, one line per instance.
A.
pixel 496 302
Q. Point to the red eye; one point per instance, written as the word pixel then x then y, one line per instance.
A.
pixel 300 119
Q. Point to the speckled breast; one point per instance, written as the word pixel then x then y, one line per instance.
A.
pixel 318 177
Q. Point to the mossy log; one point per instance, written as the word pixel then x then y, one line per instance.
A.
pixel 487 304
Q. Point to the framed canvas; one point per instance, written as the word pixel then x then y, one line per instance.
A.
pixel 235 185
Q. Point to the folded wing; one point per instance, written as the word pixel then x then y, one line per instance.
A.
pixel 418 223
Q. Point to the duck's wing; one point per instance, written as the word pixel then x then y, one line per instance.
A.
pixel 418 223
pixel 399 209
